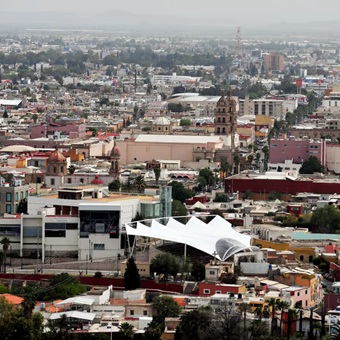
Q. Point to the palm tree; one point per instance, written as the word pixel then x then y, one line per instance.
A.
pixel 273 304
pixel 225 168
pixel 236 160
pixel 335 332
pixel 5 245
pixel 259 311
pixel 139 183
pixel 157 171
pixel 28 305
pixel 292 316
pixel 115 185
pixel 153 331
pixel 244 308
pixel 282 305
pixel 1 260
pixel 126 330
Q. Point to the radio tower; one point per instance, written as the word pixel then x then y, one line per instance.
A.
pixel 238 45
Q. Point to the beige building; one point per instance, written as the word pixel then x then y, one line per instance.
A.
pixel 264 107
pixel 170 147
pixel 143 267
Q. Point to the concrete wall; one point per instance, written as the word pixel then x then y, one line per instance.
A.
pixel 249 268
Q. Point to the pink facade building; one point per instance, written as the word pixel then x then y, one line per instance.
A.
pixel 72 130
pixel 298 150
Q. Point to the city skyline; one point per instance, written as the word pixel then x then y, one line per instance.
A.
pixel 217 12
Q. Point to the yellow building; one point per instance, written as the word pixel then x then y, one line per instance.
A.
pixel 143 267
pixel 269 244
pixel 262 125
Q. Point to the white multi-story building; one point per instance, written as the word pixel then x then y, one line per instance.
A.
pixel 81 222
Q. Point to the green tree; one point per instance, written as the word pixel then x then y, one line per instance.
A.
pixel 28 305
pixel 179 192
pixel 196 323
pixel 139 183
pixel 157 171
pixel 208 175
pixel 236 162
pixel 335 335
pixel 311 165
pixel 14 323
pixel 126 331
pixel 198 270
pixel 131 275
pixel 225 168
pixel 273 304
pixel 58 329
pixel 115 185
pixel 185 122
pixel 71 169
pixel 166 264
pixel 178 208
pixel 64 286
pixel 153 331
pixel 282 306
pixel 35 117
pixel 326 219
pixel 274 195
pixel 165 307
pixel 5 245
pixel 244 309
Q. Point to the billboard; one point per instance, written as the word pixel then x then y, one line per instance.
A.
pixel 298 82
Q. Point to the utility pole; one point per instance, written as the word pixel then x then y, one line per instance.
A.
pixel 38 253
pixel 51 254
pixel 86 263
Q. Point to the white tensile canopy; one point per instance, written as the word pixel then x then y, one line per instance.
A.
pixel 217 236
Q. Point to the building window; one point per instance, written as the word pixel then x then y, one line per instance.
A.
pixel 82 180
pixel 132 312
pixel 298 294
pixel 54 169
pixel 99 246
pixel 61 169
pixel 8 197
pixel 8 208
pixel 69 180
pixel 211 272
pixel 218 292
pixel 206 291
pixel 302 258
pixel 16 197
pixel 145 312
pixel 52 181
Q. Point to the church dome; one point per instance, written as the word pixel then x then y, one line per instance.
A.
pixel 97 181
pixel 162 121
pixel 57 157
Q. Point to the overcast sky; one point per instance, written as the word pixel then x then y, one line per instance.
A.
pixel 235 12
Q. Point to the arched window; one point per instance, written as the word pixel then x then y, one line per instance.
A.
pixel 218 130
pixel 218 119
pixel 223 120
pixel 223 130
